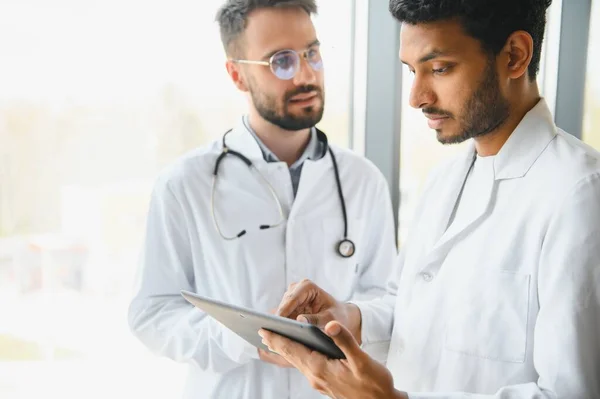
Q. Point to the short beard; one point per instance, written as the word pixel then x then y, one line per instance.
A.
pixel 267 109
pixel 484 112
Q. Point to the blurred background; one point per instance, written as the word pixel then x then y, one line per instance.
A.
pixel 97 96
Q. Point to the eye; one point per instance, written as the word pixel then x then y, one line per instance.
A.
pixel 441 71
pixel 313 53
pixel 284 61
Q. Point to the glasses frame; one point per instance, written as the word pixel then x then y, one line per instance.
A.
pixel 301 55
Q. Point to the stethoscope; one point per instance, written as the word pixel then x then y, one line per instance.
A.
pixel 345 248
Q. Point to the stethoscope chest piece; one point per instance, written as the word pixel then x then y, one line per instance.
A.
pixel 346 248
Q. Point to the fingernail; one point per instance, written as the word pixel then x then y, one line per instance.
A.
pixel 335 329
pixel 302 319
pixel 261 334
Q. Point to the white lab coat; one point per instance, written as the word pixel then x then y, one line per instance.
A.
pixel 506 304
pixel 183 250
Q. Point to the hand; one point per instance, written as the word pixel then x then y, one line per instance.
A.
pixel 308 303
pixel 357 376
pixel 271 357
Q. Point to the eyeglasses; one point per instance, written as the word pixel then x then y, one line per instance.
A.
pixel 285 64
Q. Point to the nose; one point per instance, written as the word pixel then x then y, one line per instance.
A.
pixel 305 75
pixel 421 95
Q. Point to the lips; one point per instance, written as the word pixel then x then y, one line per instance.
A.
pixel 436 121
pixel 304 97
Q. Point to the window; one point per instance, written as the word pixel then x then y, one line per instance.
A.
pixel 96 98
pixel 337 56
pixel 591 118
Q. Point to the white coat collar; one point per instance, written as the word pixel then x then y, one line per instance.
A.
pixel 241 140
pixel 516 157
pixel 533 134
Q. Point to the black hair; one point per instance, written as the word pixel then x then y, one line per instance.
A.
pixel 489 21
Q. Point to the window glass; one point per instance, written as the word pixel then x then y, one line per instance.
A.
pixel 591 118
pixel 97 97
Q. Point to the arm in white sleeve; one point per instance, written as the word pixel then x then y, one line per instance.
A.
pixel 567 333
pixel 377 315
pixel 158 315
pixel 376 291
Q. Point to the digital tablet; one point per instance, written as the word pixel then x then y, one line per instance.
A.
pixel 246 323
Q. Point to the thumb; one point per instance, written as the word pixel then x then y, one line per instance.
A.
pixel 344 339
pixel 318 319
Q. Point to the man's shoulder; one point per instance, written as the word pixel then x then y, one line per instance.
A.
pixel 568 160
pixel 190 167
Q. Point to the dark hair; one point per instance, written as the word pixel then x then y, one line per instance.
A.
pixel 233 16
pixel 489 21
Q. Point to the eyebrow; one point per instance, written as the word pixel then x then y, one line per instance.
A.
pixel 314 43
pixel 436 53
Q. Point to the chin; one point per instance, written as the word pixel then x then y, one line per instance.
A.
pixel 449 138
pixel 308 112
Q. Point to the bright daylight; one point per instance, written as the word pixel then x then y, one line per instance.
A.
pixel 96 98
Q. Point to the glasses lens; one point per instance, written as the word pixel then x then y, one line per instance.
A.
pixel 284 64
pixel 314 59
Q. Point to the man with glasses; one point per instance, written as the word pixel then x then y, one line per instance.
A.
pixel 268 204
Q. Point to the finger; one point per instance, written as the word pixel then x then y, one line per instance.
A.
pixel 344 339
pixel 296 354
pixel 318 319
pixel 291 287
pixel 300 295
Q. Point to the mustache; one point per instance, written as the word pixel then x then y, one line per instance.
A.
pixel 437 111
pixel 303 90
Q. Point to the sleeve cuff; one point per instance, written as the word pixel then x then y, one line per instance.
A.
pixel 375 340
pixel 372 331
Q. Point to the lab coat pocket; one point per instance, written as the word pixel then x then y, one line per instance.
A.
pixel 490 318
pixel 339 275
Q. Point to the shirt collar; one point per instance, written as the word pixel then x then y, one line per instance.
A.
pixel 313 151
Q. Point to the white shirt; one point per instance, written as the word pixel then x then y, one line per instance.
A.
pixel 505 303
pixel 183 251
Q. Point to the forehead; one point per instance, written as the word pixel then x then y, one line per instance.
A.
pixel 448 37
pixel 272 29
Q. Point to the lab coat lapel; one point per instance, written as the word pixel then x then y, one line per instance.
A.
pixel 314 173
pixel 484 190
pixel 242 141
pixel 449 195
pixel 516 157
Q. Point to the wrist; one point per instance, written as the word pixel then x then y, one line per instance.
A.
pixel 354 318
pixel 400 395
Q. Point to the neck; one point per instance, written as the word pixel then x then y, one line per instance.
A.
pixel 287 145
pixel 492 143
